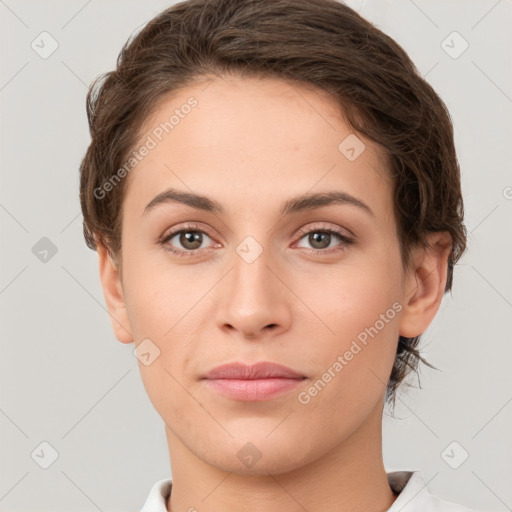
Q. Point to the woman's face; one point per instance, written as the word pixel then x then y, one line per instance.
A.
pixel 263 278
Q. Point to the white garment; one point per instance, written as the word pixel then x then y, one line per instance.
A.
pixel 413 497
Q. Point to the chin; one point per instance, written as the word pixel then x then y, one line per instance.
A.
pixel 267 462
pixel 249 454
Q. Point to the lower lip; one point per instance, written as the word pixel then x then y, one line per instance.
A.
pixel 253 390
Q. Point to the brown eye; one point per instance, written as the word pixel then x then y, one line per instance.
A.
pixel 319 239
pixel 185 242
pixel 323 240
pixel 190 240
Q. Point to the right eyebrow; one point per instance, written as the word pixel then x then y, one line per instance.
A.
pixel 194 200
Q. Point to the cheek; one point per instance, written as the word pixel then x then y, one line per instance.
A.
pixel 155 295
pixel 163 306
pixel 159 314
pixel 348 299
pixel 359 309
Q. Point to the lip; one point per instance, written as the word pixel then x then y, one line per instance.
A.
pixel 254 382
pixel 261 370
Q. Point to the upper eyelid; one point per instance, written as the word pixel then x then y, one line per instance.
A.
pixel 324 227
pixel 189 226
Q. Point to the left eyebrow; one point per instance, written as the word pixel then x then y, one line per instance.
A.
pixel 293 205
pixel 313 201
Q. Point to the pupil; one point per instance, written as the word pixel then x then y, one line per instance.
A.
pixel 318 235
pixel 191 237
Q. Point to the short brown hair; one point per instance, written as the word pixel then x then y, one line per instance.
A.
pixel 319 43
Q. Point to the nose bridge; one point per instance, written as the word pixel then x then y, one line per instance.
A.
pixel 252 296
pixel 251 275
pixel 251 265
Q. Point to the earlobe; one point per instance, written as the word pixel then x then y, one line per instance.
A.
pixel 425 284
pixel 114 295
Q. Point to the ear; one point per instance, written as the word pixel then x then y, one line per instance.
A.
pixel 425 284
pixel 114 295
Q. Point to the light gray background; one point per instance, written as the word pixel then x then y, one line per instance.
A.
pixel 66 380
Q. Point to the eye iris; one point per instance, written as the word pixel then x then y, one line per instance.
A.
pixel 317 236
pixel 191 237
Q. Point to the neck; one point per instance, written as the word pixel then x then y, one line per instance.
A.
pixel 350 477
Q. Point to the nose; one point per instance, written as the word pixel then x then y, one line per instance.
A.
pixel 254 301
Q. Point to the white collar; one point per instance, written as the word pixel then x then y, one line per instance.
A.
pixel 414 495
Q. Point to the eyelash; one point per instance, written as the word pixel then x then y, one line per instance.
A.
pixel 302 233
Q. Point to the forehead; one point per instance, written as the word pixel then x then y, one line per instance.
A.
pixel 247 141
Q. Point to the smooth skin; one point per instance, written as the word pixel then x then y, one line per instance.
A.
pixel 252 144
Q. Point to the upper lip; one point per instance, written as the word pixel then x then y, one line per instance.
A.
pixel 260 370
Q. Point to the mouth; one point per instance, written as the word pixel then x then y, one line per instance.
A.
pixel 253 383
